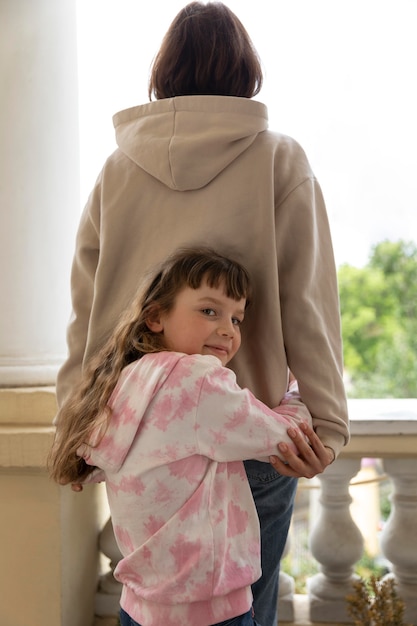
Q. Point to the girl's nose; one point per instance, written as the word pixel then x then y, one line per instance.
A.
pixel 226 329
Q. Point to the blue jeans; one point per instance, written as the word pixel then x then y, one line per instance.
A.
pixel 241 620
pixel 274 499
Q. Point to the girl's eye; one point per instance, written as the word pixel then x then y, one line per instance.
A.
pixel 236 321
pixel 209 311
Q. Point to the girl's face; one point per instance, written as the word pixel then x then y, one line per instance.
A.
pixel 202 321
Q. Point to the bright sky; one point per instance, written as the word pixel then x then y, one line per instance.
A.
pixel 339 78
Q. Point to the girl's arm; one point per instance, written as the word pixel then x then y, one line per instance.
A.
pixel 234 425
pixel 292 406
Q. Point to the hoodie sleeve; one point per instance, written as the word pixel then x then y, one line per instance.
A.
pixel 83 273
pixel 233 425
pixel 310 307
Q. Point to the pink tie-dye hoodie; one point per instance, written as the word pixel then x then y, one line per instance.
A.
pixel 182 510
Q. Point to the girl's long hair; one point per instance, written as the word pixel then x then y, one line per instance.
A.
pixel 88 410
pixel 206 51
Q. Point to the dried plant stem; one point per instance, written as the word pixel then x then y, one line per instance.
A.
pixel 376 603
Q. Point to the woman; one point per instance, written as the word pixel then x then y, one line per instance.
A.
pixel 199 166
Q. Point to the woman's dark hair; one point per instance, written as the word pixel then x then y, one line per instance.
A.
pixel 206 51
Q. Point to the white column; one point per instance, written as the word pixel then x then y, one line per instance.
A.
pixel 39 192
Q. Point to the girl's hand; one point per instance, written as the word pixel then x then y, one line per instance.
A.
pixel 312 458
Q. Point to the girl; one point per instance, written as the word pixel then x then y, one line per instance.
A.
pixel 162 420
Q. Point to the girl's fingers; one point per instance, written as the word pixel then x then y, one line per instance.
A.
pixel 312 458
pixel 314 443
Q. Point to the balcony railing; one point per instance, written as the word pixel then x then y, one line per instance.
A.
pixel 383 429
pixel 53 531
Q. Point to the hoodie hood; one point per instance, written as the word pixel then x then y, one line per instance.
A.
pixel 147 374
pixel 186 141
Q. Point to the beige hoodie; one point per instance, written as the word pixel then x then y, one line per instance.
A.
pixel 204 170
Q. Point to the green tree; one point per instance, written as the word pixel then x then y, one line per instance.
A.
pixel 379 322
pixel 398 261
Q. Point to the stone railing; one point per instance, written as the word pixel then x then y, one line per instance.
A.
pixel 387 430
pixel 382 429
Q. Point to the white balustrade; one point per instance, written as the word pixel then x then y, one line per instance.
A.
pixel 286 591
pixel 399 537
pixel 336 543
